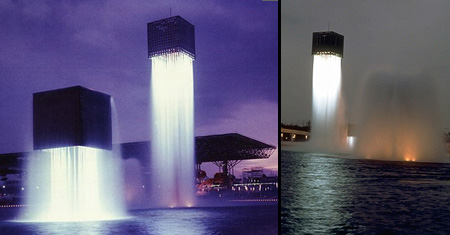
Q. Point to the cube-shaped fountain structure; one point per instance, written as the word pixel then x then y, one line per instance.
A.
pixel 74 116
pixel 328 43
pixel 173 34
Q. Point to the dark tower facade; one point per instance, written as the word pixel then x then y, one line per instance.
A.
pixel 169 35
pixel 74 116
pixel 328 43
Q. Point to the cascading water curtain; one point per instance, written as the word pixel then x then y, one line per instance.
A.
pixel 172 123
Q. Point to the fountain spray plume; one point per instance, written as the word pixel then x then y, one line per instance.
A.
pixel 73 175
pixel 400 119
pixel 328 130
pixel 171 50
pixel 172 130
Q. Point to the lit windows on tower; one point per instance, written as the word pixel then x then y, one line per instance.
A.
pixel 169 35
pixel 171 50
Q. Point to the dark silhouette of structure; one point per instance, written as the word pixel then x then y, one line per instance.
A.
pixel 74 116
pixel 169 35
pixel 328 43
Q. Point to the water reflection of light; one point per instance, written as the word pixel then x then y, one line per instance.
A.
pixel 178 221
pixel 218 220
pixel 88 228
pixel 322 192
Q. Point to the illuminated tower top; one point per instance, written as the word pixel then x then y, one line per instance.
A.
pixel 328 43
pixel 173 34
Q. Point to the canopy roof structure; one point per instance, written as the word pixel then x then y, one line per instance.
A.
pixel 12 163
pixel 228 147
pixel 14 160
pixel 225 150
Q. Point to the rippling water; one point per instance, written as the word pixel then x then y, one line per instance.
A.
pixel 327 195
pixel 217 220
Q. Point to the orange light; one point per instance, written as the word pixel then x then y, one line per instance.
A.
pixel 408 158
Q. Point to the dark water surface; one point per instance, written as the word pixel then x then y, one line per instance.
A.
pixel 210 220
pixel 326 195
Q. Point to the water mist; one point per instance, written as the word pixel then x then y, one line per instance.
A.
pixel 171 49
pixel 172 131
pixel 400 120
pixel 73 174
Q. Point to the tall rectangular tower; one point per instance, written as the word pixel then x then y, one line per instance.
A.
pixel 171 49
pixel 328 124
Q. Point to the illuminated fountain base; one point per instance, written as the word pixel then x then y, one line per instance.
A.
pixel 172 158
pixel 74 184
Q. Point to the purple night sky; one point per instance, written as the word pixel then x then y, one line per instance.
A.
pixel 102 45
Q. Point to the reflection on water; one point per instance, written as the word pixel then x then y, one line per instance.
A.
pixel 315 193
pixel 323 195
pixel 220 220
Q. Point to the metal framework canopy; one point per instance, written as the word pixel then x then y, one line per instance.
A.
pixel 230 147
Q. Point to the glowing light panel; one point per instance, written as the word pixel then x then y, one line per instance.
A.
pixel 172 104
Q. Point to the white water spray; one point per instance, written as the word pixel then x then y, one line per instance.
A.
pixel 172 124
pixel 328 126
pixel 400 119
pixel 73 184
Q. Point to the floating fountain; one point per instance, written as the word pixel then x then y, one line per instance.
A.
pixel 73 175
pixel 400 120
pixel 399 116
pixel 328 131
pixel 171 49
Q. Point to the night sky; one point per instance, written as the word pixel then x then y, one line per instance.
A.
pixel 102 45
pixel 394 37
